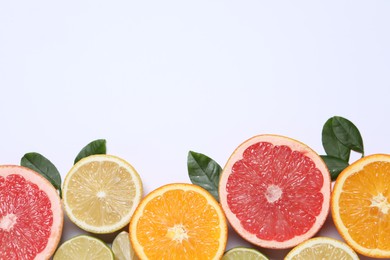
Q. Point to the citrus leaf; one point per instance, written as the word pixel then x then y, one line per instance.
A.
pixel 348 134
pixel 95 147
pixel 204 172
pixel 335 165
pixel 332 146
pixel 43 166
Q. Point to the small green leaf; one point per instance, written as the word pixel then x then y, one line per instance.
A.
pixel 348 134
pixel 204 171
pixel 95 147
pixel 335 165
pixel 43 166
pixel 333 147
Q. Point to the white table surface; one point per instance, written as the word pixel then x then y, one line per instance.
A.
pixel 159 78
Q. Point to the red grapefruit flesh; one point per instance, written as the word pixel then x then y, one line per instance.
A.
pixel 275 191
pixel 31 216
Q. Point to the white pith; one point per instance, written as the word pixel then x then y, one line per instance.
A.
pixel 381 203
pixel 273 193
pixel 177 233
pixel 8 221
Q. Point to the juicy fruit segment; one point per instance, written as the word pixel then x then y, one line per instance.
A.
pixel 83 247
pixel 243 253
pixel 321 248
pixel 361 205
pixel 101 193
pixel 275 191
pixel 31 217
pixel 179 221
pixel 122 248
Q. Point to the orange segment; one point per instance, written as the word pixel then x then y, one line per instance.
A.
pixel 179 221
pixel 361 205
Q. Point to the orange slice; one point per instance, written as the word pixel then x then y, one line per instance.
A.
pixel 361 205
pixel 178 221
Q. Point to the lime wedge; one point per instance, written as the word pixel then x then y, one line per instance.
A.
pixel 84 247
pixel 122 248
pixel 243 253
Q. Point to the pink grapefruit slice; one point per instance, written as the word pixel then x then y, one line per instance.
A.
pixel 275 191
pixel 31 216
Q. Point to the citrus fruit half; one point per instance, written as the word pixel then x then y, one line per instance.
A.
pixel 122 248
pixel 84 247
pixel 322 248
pixel 361 205
pixel 101 192
pixel 243 253
pixel 179 221
pixel 275 191
pixel 31 216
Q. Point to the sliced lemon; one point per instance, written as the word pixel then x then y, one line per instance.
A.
pixel 100 193
pixel 122 248
pixel 322 248
pixel 243 253
pixel 83 247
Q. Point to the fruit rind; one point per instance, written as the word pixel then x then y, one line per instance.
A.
pixel 335 209
pixel 294 145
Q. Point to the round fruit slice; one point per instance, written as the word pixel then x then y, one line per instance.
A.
pixel 275 191
pixel 179 221
pixel 122 248
pixel 243 253
pixel 361 205
pixel 101 192
pixel 83 247
pixel 31 216
pixel 320 248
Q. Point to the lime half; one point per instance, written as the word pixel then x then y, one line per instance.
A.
pixel 84 247
pixel 122 248
pixel 243 253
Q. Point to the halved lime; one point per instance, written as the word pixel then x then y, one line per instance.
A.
pixel 84 247
pixel 122 248
pixel 243 253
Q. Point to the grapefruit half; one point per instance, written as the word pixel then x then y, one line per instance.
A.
pixel 275 191
pixel 31 216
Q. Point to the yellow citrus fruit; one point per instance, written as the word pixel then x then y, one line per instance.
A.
pixel 361 205
pixel 243 253
pixel 84 247
pixel 122 248
pixel 322 248
pixel 179 221
pixel 101 193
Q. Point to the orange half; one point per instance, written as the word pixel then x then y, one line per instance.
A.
pixel 361 205
pixel 178 221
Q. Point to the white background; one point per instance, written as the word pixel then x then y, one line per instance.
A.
pixel 159 78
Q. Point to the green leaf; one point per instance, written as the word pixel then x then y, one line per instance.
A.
pixel 348 134
pixel 204 171
pixel 331 144
pixel 43 166
pixel 95 147
pixel 335 165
